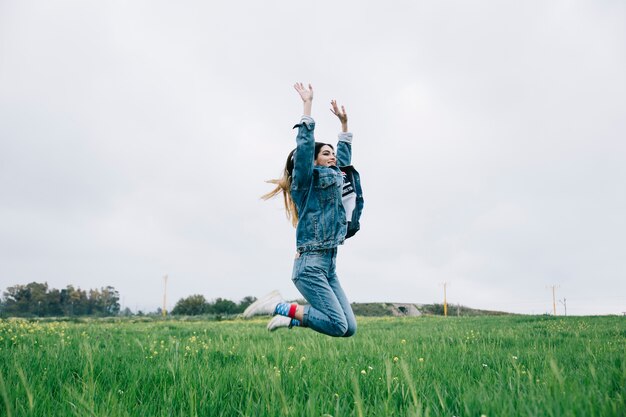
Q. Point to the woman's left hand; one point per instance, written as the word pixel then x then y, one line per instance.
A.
pixel 341 115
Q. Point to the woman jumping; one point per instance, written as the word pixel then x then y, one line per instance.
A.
pixel 323 199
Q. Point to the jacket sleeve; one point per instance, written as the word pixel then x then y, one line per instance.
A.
pixel 344 149
pixel 303 157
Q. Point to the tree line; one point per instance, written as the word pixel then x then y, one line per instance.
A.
pixel 196 304
pixel 38 300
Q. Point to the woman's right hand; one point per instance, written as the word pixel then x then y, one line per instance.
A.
pixel 305 93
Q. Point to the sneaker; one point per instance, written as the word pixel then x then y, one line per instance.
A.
pixel 277 322
pixel 265 305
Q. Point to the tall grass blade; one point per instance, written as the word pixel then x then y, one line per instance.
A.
pixel 5 396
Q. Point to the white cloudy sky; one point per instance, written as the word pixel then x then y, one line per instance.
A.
pixel 135 138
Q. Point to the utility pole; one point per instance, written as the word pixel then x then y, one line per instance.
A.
pixel 164 310
pixel 553 298
pixel 564 302
pixel 445 300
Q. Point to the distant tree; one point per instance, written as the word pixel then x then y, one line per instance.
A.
pixel 78 301
pixel 126 312
pixel 53 301
pixel 103 302
pixel 17 300
pixel 26 300
pixel 191 306
pixel 93 302
pixel 38 298
pixel 223 306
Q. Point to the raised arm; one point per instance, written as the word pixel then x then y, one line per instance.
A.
pixel 344 147
pixel 341 115
pixel 305 141
pixel 307 97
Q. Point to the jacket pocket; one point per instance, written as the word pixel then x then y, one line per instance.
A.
pixel 327 187
pixel 325 181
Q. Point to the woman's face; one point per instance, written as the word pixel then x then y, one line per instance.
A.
pixel 326 157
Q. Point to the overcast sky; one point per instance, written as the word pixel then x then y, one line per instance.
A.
pixel 135 138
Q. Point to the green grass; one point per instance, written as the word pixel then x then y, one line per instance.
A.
pixel 427 366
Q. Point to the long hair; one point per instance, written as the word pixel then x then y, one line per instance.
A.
pixel 283 184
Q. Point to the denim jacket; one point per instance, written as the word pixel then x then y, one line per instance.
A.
pixel 316 192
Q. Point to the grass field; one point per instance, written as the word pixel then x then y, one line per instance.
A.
pixel 427 366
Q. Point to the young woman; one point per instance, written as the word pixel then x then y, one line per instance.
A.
pixel 324 202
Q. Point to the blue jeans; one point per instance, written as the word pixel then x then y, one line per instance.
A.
pixel 329 310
